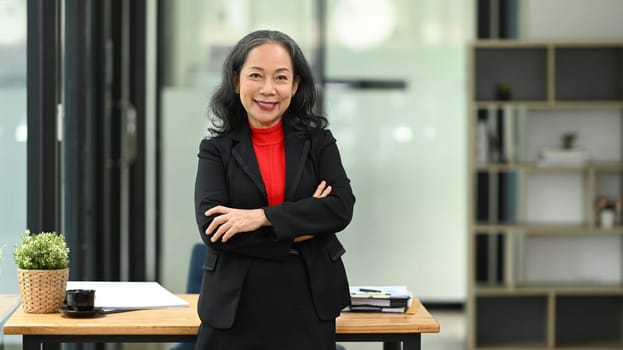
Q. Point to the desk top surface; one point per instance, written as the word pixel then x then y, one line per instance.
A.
pixel 185 321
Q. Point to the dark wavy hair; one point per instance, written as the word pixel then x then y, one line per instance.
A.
pixel 228 112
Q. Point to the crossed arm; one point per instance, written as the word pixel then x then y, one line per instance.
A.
pixel 232 221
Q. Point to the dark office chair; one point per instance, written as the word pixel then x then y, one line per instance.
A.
pixel 193 284
pixel 193 281
pixel 195 269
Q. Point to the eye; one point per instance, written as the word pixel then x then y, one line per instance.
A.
pixel 282 77
pixel 255 76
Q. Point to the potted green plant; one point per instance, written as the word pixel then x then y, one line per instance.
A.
pixel 42 271
pixel 503 91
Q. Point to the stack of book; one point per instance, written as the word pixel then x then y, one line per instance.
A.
pixel 563 157
pixel 379 299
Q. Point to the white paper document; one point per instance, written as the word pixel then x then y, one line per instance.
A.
pixel 381 292
pixel 379 299
pixel 129 295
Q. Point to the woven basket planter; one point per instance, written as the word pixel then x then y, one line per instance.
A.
pixel 42 291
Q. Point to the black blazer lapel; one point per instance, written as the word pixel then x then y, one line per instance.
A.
pixel 297 147
pixel 243 153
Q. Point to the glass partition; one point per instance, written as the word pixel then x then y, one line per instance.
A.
pixel 13 135
pixel 395 100
pixel 401 135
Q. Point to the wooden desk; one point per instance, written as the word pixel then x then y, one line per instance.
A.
pixel 181 325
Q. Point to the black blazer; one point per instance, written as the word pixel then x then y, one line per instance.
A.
pixel 228 174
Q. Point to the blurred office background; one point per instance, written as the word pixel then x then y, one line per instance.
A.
pixel 392 75
pixel 131 81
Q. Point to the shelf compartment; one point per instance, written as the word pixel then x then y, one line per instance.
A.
pixel 534 167
pixel 548 229
pixel 524 69
pixel 497 197
pixel 598 133
pixel 514 320
pixel 609 183
pixel 591 321
pixel 490 258
pixel 542 290
pixel 550 105
pixel 579 260
pixel 589 73
pixel 555 198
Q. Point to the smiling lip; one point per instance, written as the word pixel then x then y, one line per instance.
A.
pixel 267 106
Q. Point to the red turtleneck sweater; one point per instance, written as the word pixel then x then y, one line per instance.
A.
pixel 271 158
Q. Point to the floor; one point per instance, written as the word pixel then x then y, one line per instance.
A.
pixel 452 335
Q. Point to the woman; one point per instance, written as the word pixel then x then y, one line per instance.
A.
pixel 270 194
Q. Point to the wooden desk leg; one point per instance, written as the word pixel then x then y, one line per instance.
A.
pixel 35 342
pixel 413 344
pixel 30 343
pixel 391 345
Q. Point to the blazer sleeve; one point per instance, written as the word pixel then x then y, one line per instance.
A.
pixel 211 189
pixel 317 216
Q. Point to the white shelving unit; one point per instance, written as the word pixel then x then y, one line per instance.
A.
pixel 543 272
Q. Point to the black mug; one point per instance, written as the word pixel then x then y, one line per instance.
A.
pixel 80 299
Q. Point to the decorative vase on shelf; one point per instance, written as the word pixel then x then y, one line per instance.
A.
pixel 606 218
pixel 42 271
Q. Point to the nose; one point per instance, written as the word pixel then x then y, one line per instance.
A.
pixel 267 87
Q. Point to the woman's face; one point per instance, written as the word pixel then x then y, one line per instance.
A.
pixel 266 84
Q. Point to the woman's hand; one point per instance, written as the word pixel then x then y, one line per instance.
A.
pixel 321 191
pixel 232 221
